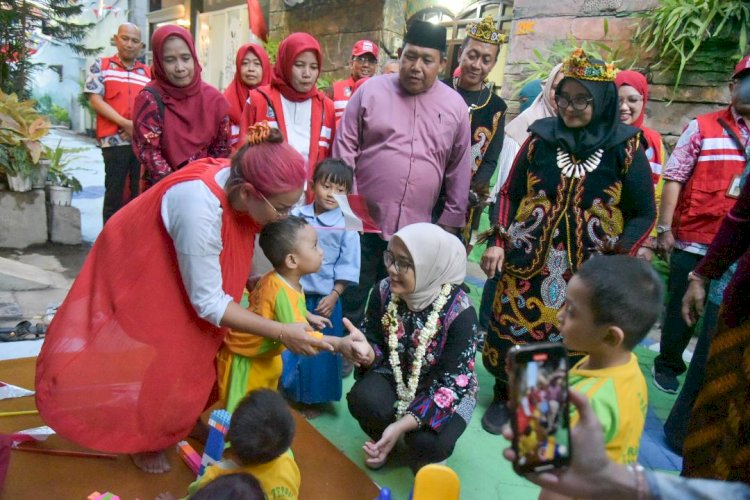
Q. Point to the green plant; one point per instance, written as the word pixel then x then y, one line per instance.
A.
pixel 21 130
pixel 678 30
pixel 542 64
pixel 60 172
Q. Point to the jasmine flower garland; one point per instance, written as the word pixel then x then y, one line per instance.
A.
pixel 391 324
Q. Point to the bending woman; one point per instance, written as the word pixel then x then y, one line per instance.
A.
pixel 293 103
pixel 178 117
pixel 252 70
pixel 580 185
pixel 419 381
pixel 128 363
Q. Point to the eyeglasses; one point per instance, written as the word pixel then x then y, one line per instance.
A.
pixel 365 59
pixel 279 213
pixel 631 99
pixel 578 102
pixel 400 266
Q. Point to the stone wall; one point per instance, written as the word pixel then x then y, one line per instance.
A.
pixel 538 24
pixel 338 24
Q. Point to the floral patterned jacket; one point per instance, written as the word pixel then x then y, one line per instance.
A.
pixel 447 383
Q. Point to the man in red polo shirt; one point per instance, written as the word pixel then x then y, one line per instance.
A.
pixel 364 64
pixel 111 86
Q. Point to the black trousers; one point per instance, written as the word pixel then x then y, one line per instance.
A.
pixel 120 167
pixel 676 426
pixel 371 271
pixel 371 403
pixel 675 333
pixel 488 297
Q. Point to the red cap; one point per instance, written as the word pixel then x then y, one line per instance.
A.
pixel 365 47
pixel 742 66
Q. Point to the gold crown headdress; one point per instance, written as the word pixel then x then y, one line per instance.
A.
pixel 485 31
pixel 579 66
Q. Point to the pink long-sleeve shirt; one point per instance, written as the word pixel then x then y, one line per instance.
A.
pixel 404 149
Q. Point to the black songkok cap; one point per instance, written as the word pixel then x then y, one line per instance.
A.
pixel 427 35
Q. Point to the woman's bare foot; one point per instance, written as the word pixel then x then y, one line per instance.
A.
pixel 153 462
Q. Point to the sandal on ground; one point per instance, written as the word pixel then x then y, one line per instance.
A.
pixel 23 331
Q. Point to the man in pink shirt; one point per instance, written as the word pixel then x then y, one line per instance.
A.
pixel 408 137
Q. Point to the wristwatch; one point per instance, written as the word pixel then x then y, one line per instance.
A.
pixel 660 229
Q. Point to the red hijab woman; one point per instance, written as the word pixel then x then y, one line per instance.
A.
pixel 178 117
pixel 252 70
pixel 632 91
pixel 293 103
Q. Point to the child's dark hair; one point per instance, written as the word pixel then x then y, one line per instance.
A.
pixel 237 486
pixel 335 171
pixel 623 291
pixel 262 427
pixel 278 239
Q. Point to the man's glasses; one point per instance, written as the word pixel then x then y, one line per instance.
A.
pixel 365 59
pixel 579 102
pixel 631 99
pixel 400 266
pixel 279 213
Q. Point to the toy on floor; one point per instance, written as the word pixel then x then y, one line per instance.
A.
pixel 218 425
pixel 191 457
pixel 102 496
pixel 436 482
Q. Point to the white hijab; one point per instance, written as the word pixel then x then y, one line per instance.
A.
pixel 439 258
pixel 542 107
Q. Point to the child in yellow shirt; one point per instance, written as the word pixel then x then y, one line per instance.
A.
pixel 247 362
pixel 260 433
pixel 610 305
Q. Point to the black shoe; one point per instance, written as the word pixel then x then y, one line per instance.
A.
pixel 665 382
pixel 496 416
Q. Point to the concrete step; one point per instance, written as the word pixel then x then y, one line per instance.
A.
pixel 16 276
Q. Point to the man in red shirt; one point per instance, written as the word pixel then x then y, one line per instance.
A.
pixel 111 86
pixel 364 64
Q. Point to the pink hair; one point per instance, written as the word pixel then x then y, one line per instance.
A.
pixel 270 167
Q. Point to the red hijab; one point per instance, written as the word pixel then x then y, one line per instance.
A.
pixel 289 49
pixel 192 114
pixel 639 83
pixel 236 93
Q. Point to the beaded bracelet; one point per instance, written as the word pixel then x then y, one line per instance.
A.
pixel 337 292
pixel 416 418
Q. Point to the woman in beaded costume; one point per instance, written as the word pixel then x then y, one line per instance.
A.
pixel 580 185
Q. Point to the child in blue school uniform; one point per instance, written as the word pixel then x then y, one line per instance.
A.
pixel 317 379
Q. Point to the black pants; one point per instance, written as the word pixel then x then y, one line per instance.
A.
pixel 120 167
pixel 488 297
pixel 676 426
pixel 371 403
pixel 675 333
pixel 371 271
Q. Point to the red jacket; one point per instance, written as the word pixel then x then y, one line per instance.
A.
pixel 323 124
pixel 703 201
pixel 121 85
pixel 342 92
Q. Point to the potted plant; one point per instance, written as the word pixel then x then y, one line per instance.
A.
pixel 21 128
pixel 61 181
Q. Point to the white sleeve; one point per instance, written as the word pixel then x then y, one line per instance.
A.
pixel 192 217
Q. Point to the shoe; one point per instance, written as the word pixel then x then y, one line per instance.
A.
pixel 664 382
pixel 495 417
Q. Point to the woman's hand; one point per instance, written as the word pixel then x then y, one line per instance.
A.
pixel 296 338
pixel 355 347
pixel 693 301
pixel 665 244
pixel 645 253
pixel 318 322
pixel 492 261
pixel 326 304
pixel 377 453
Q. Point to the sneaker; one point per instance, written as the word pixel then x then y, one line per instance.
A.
pixel 496 416
pixel 664 382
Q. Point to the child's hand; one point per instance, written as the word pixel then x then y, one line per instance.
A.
pixel 318 322
pixel 326 304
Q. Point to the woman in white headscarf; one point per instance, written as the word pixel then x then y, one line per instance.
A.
pixel 544 106
pixel 419 380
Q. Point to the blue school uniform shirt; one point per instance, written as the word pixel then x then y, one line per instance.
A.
pixel 341 253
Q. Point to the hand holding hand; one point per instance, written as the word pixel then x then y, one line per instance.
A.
pixel 377 453
pixel 296 338
pixel 355 346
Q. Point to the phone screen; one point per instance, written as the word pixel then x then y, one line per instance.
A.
pixel 540 416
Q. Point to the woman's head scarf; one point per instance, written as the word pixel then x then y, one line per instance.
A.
pixel 639 83
pixel 542 107
pixel 236 93
pixel 289 49
pixel 439 258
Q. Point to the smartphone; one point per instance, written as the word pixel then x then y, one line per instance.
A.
pixel 539 407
